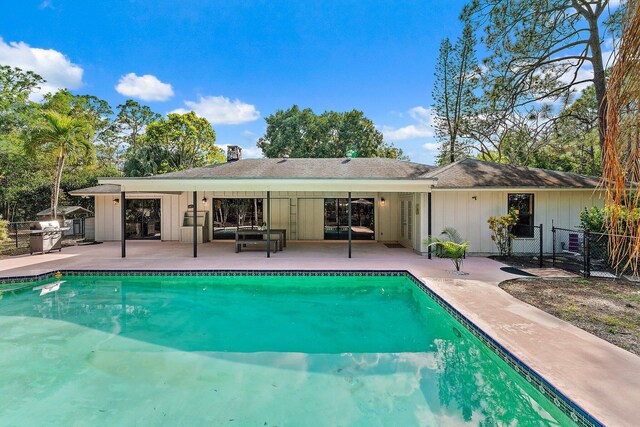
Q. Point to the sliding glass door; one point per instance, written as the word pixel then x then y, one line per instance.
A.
pixel 232 214
pixel 143 219
pixel 336 219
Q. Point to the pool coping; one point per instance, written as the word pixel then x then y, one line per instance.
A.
pixel 566 405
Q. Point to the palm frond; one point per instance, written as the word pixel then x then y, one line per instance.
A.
pixel 453 248
pixel 452 234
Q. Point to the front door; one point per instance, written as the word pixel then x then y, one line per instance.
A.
pixel 143 219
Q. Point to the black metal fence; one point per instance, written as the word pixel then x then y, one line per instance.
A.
pixel 19 235
pixel 528 248
pixel 583 252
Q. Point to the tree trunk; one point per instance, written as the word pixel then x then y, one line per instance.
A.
pixel 55 189
pixel 599 76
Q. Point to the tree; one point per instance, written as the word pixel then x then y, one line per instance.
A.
pixel 511 136
pixel 134 119
pixel 16 86
pixel 24 180
pixel 61 136
pixel 622 149
pixel 181 141
pixel 453 92
pixel 575 134
pixel 103 132
pixel 539 48
pixel 302 133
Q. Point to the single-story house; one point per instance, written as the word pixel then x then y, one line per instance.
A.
pixel 391 201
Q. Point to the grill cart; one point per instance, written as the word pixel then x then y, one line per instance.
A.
pixel 46 236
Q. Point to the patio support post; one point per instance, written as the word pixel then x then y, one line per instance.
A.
pixel 429 222
pixel 349 222
pixel 195 224
pixel 123 223
pixel 268 224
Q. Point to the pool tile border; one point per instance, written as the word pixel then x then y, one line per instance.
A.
pixel 562 402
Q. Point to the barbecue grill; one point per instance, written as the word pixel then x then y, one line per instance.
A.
pixel 46 236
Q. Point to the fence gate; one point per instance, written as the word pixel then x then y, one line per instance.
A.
pixel 582 252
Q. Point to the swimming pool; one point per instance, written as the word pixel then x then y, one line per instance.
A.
pixel 250 350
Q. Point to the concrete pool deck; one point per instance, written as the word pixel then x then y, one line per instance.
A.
pixel 600 377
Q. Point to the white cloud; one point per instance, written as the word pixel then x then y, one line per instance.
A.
pixel 251 153
pixel 58 71
pixel 422 129
pixel 146 87
pixel 221 111
pixel 431 146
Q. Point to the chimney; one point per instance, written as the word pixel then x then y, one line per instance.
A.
pixel 234 153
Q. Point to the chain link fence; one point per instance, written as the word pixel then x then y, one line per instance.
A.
pixel 527 250
pixel 569 250
pixel 583 252
pixel 18 234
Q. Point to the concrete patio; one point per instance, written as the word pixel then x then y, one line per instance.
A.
pixel 600 377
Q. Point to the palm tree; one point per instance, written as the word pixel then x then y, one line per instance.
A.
pixel 454 247
pixel 61 136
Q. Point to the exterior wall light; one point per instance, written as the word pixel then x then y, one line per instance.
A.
pixel 116 202
pixel 204 200
pixel 383 202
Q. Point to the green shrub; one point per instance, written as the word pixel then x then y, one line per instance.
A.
pixel 453 247
pixel 617 217
pixel 592 220
pixel 500 227
pixel 4 231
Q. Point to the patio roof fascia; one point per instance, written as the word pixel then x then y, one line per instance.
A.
pixel 272 184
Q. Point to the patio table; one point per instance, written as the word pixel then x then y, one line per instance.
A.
pixel 280 232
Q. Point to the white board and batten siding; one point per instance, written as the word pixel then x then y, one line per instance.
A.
pixel 107 216
pixel 300 213
pixel 468 211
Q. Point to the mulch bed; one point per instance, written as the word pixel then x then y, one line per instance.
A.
pixel 609 309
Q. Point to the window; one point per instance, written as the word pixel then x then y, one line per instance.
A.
pixel 523 204
pixel 336 219
pixel 143 219
pixel 232 214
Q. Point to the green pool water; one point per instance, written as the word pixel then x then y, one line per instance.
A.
pixel 249 351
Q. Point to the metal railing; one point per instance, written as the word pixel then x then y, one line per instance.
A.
pixel 19 234
pixel 583 252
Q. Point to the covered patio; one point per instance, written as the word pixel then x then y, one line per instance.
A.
pixel 159 255
pixel 302 199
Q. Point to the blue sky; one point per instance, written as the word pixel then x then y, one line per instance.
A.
pixel 236 62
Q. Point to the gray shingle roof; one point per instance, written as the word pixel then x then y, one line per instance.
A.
pixel 98 189
pixel 472 173
pixel 468 173
pixel 308 168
